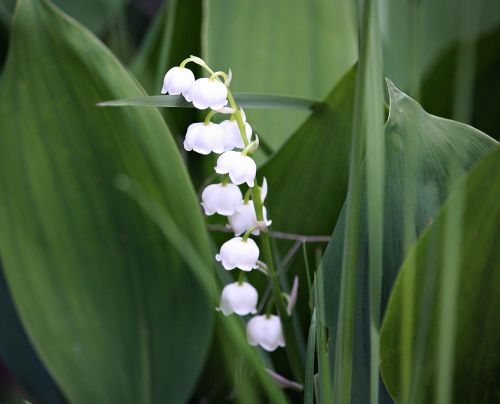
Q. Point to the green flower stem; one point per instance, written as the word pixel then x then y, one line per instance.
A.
pixel 294 357
pixel 248 194
pixel 237 115
pixel 269 307
pixel 248 232
pixel 209 117
pixel 217 74
pixel 286 320
pixel 241 277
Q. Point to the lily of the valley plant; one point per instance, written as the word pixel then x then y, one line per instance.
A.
pixel 238 196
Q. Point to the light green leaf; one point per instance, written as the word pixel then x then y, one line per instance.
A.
pixel 97 286
pixel 308 174
pixel 418 151
pixel 284 47
pixel 476 359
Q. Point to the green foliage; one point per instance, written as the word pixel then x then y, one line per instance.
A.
pixel 475 356
pixel 97 287
pixel 416 33
pixel 419 148
pixel 104 248
pixel 306 154
pixel 251 101
pixel 290 47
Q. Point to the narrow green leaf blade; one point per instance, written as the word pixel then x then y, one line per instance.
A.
pixel 98 288
pixel 250 101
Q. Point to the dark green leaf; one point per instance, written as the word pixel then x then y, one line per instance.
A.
pixel 441 78
pixel 98 288
pixel 476 358
pixel 173 36
pixel 17 353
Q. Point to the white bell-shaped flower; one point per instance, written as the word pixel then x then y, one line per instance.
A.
pixel 223 199
pixel 240 299
pixel 233 138
pixel 177 81
pixel 239 253
pixel 244 218
pixel 204 138
pixel 240 168
pixel 205 93
pixel 265 331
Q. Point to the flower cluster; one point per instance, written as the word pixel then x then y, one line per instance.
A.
pixel 232 140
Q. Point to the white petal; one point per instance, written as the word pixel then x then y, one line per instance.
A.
pixel 233 136
pixel 218 137
pixel 218 95
pixel 177 80
pixel 240 299
pixel 237 253
pixel 243 219
pixel 224 199
pixel 266 332
pixel 240 168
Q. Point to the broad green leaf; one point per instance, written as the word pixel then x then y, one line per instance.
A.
pixel 18 355
pixel 112 310
pixel 251 101
pixel 284 47
pixel 476 359
pixel 307 177
pixel 416 33
pixel 419 149
pixel 487 87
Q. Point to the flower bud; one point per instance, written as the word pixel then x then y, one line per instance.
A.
pixel 240 299
pixel 205 93
pixel 177 81
pixel 239 253
pixel 204 138
pixel 240 168
pixel 223 199
pixel 265 331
